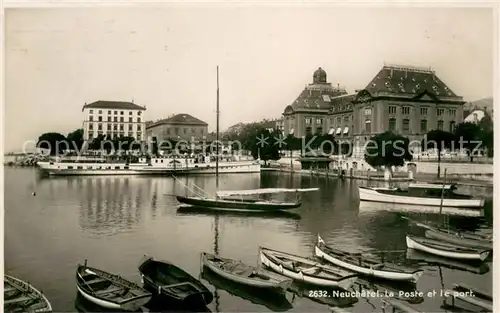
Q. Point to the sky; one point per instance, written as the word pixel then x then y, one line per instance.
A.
pixel 165 58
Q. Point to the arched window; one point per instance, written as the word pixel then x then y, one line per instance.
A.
pixel 423 126
pixel 368 126
pixel 406 125
pixel 440 125
pixel 392 124
pixel 452 126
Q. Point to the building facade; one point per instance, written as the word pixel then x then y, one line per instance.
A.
pixel 178 127
pixel 114 119
pixel 405 100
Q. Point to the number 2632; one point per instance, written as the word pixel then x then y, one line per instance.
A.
pixel 318 294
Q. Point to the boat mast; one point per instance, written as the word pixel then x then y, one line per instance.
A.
pixel 217 136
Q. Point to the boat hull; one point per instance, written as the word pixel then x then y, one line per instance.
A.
pixel 282 285
pixel 343 283
pixel 455 239
pixel 234 205
pixel 473 256
pixel 46 308
pixel 389 275
pixel 371 194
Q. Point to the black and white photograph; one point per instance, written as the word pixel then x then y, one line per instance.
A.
pixel 243 157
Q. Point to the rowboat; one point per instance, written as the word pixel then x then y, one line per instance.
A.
pixel 420 194
pixel 275 301
pixel 109 290
pixel 364 265
pixel 173 283
pixel 193 210
pixel 244 274
pixel 414 255
pixel 306 270
pixel 459 238
pixel 446 250
pixel 20 296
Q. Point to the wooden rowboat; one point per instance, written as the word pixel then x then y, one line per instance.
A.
pixel 306 270
pixel 173 283
pixel 459 239
pixel 20 296
pixel 446 250
pixel 241 273
pixel 366 266
pixel 109 290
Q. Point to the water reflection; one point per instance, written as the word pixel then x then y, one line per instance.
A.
pixel 193 210
pixel 367 207
pixel 274 301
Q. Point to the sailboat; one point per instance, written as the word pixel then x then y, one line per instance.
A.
pixel 233 200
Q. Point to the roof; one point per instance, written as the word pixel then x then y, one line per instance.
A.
pixel 408 80
pixel 179 119
pixel 342 103
pixel 104 104
pixel 315 99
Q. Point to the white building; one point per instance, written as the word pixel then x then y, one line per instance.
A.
pixel 475 116
pixel 114 119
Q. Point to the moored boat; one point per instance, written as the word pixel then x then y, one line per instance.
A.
pixel 306 270
pixel 366 266
pixel 173 283
pixel 458 238
pixel 421 194
pixel 245 274
pixel 109 290
pixel 446 250
pixel 20 296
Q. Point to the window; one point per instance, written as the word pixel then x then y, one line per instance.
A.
pixel 115 119
pixel 319 130
pixel 452 126
pixel 130 113
pixel 130 120
pixel 129 126
pixel 91 126
pixel 308 120
pixel 423 111
pixel 109 118
pixel 405 110
pixel 100 111
pixel 308 130
pixel 99 126
pixel 121 119
pixel 168 131
pixel 346 118
pixel 91 111
pixel 121 112
pixel 109 126
pixel 115 127
pixel 439 112
pixel 368 126
pixel 475 117
pixel 116 112
pixel 440 125
pixel 319 121
pixel 406 125
pixel 91 118
pixel 339 120
pixel 423 126
pixel 109 112
pixel 139 136
pixel 138 127
pixel 139 113
pixel 368 111
pixel 392 124
pixel 121 127
pixel 99 118
pixel 185 131
pixel 138 120
pixel 452 112
pixel 392 109
pixel 91 135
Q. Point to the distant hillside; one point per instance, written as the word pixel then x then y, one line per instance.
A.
pixel 482 104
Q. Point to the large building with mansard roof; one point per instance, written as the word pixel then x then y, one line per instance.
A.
pixel 404 99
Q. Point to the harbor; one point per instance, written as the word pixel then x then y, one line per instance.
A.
pixel 113 221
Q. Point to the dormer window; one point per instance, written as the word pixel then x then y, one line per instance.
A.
pixel 417 86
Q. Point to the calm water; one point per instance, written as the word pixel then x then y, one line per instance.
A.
pixel 114 221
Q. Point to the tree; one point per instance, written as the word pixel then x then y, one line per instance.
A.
pixel 440 140
pixel 55 142
pixel 486 126
pixel 387 149
pixel 96 143
pixel 468 136
pixel 75 139
pixel 265 145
